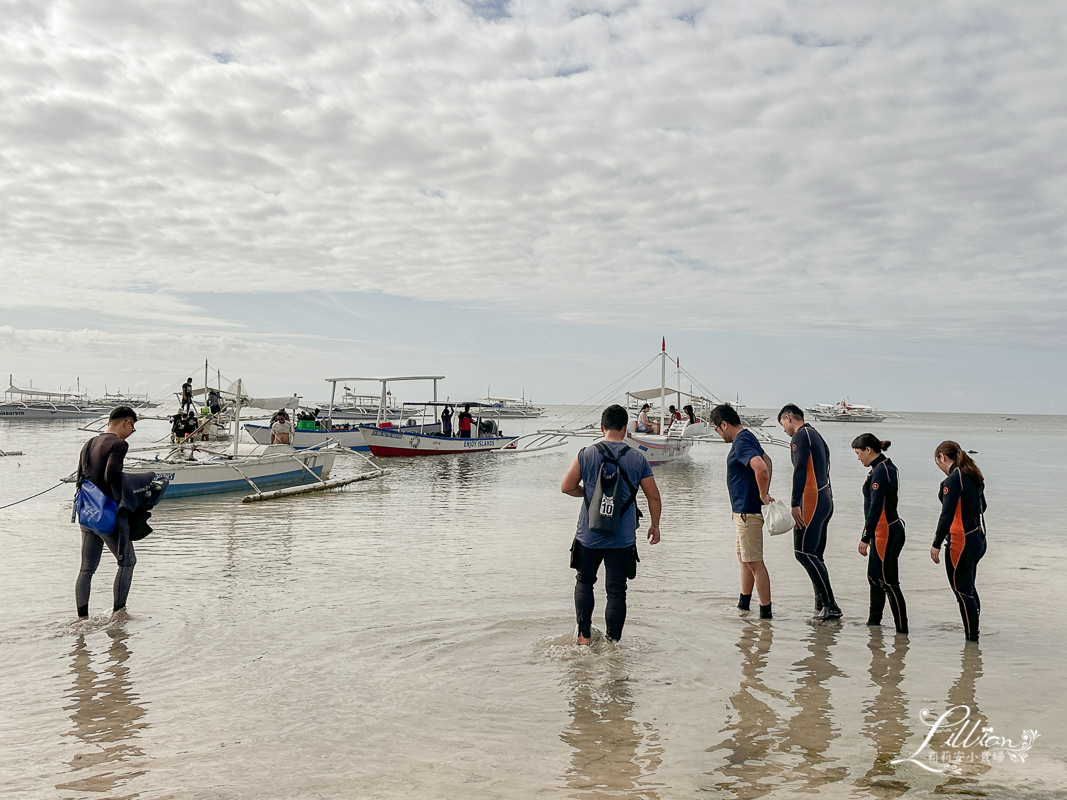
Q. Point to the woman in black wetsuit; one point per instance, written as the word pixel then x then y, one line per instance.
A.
pixel 962 523
pixel 884 527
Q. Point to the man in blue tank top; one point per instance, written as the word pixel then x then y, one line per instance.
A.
pixel 617 549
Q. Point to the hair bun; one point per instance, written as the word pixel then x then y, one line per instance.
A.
pixel 886 444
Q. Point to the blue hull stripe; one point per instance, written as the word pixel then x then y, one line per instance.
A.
pixel 294 478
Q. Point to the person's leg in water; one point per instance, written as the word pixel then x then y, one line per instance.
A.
pixel 891 576
pixel 616 566
pixel 121 547
pixel 809 543
pixel 588 562
pixel 961 577
pixel 92 548
pixel 750 556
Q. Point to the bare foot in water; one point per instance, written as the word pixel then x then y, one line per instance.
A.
pixel 121 615
pixel 582 640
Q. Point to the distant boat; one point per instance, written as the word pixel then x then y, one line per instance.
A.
pixel 510 408
pixel 845 411
pixel 37 404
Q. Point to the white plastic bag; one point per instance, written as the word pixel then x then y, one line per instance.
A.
pixel 777 518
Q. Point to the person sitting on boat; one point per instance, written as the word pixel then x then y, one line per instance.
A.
pixel 465 423
pixel 643 424
pixel 446 421
pixel 692 418
pixel 281 432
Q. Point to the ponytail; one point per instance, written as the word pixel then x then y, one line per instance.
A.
pixel 871 441
pixel 964 462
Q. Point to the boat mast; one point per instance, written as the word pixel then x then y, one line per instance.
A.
pixel 205 382
pixel 663 386
pixel 381 405
pixel 237 418
pixel 329 416
pixel 678 366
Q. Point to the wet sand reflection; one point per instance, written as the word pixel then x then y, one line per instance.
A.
pixel 885 715
pixel 106 718
pixel 756 734
pixel 614 755
pixel 762 749
pixel 965 753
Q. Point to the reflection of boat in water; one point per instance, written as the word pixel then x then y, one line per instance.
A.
pixel 845 411
pixel 37 404
pixel 510 408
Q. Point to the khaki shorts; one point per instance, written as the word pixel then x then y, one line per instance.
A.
pixel 749 536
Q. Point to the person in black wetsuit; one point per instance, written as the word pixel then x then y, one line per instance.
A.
pixel 101 462
pixel 962 524
pixel 813 505
pixel 446 421
pixel 884 527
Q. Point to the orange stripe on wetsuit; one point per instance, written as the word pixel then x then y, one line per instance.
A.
pixel 957 535
pixel 811 495
pixel 962 504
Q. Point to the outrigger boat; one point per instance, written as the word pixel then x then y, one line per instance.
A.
pixel 844 411
pixel 419 441
pixel 312 432
pixel 37 404
pixel 675 437
pixel 194 469
pixel 510 408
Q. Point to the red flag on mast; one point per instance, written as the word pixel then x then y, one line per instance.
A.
pixel 664 344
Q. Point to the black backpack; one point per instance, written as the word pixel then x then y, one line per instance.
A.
pixel 605 510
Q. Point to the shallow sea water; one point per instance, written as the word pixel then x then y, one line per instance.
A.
pixel 414 637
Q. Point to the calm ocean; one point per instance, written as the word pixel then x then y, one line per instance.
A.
pixel 413 638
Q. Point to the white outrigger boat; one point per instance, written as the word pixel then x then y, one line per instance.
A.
pixel 510 408
pixel 346 432
pixel 675 437
pixel 37 404
pixel 845 411
pixel 194 469
pixel 414 440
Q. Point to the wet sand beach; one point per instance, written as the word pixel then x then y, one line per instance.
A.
pixel 414 638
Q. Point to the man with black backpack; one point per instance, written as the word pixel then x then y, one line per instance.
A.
pixel 606 476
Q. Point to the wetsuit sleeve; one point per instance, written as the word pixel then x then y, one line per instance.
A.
pixel 113 470
pixel 879 482
pixel 801 455
pixel 951 489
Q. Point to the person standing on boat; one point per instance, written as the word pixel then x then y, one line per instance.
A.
pixel 617 550
pixel 465 423
pixel 884 528
pixel 446 421
pixel 101 462
pixel 813 505
pixel 962 525
pixel 690 416
pixel 281 430
pixel 187 395
pixel 748 478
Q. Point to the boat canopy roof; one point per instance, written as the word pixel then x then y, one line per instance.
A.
pixel 13 389
pixel 453 403
pixel 653 394
pixel 389 378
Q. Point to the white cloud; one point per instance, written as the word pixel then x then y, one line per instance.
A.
pixel 763 167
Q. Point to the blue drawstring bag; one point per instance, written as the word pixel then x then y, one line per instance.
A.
pixel 95 510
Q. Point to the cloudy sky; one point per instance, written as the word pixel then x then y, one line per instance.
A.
pixel 808 199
